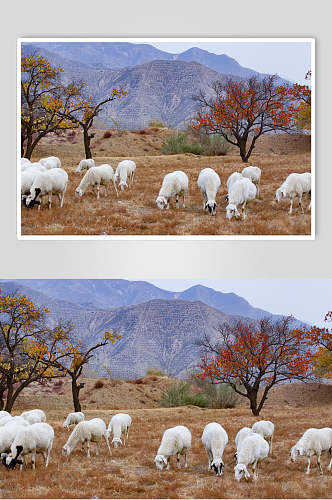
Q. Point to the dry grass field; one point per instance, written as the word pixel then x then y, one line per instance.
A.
pixel 134 212
pixel 130 471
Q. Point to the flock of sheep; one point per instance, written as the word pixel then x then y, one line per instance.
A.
pixel 30 434
pixel 47 178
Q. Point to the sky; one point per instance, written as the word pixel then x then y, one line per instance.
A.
pixel 307 299
pixel 290 60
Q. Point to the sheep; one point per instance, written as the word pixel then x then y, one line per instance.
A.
pixel 34 416
pixel 7 436
pixel 73 418
pixel 50 162
pixel 53 181
pixel 85 165
pixel 175 441
pixel 253 449
pixel 119 423
pixel 36 438
pixel 4 413
pixel 87 431
pixel 175 185
pixel 24 163
pixel 235 176
pixel 214 439
pixel 209 182
pixel 294 185
pixel 242 191
pixel 97 176
pixel 240 436
pixel 27 178
pixel 254 174
pixel 266 429
pixel 125 171
pixel 313 442
pixel 13 420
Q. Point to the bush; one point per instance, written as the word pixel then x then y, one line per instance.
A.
pixel 177 144
pixel 179 394
pixel 157 124
pixel 221 396
pixel 155 372
pixel 107 134
pixel 214 145
pixel 99 384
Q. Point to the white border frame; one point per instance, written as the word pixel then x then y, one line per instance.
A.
pixel 310 237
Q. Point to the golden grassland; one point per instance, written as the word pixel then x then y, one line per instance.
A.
pixel 134 212
pixel 130 471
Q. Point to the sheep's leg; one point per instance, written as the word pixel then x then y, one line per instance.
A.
pixel 132 178
pixel 210 456
pixel 255 470
pixel 185 460
pixel 108 445
pixel 308 467
pixel 168 463
pixel 244 210
pixel 50 200
pixel 291 206
pixel 97 451
pixel 300 203
pixel 319 465
pixel 33 459
pixel 48 455
pixel 183 203
pixel 178 464
pixel 117 194
pixel 98 187
pixel 177 201
pixel 105 189
pixel 330 464
pixel 88 446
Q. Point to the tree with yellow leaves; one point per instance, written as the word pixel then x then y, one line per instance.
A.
pixel 46 101
pixel 29 348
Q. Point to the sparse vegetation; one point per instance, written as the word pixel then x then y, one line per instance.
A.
pixel 177 144
pixel 155 372
pixel 99 384
pixel 180 394
pixel 157 123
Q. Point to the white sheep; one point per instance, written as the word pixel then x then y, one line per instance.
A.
pixel 13 420
pixel 86 432
pixel 253 449
pixel 53 181
pixel 254 174
pixel 125 171
pixel 242 191
pixel 235 176
pixel 119 423
pixel 214 439
pixel 24 163
pixel 73 418
pixel 50 162
pixel 34 416
pixel 240 436
pixel 313 442
pixel 36 438
pixel 27 179
pixel 265 428
pixel 175 441
pixel 209 182
pixel 175 185
pixel 4 413
pixel 85 165
pixel 96 177
pixel 294 185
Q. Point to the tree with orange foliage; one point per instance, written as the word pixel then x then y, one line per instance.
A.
pixel 244 109
pixel 28 346
pixel 84 117
pixel 255 356
pixel 301 94
pixel 46 101
pixel 79 356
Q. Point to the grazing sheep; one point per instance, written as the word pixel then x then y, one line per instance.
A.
pixel 313 442
pixel 73 418
pixel 4 413
pixel 294 185
pixel 36 438
pixel 50 162
pixel 235 176
pixel 175 185
pixel 24 163
pixel 87 431
pixel 254 174
pixel 242 191
pixel 175 441
pixel 265 428
pixel 97 176
pixel 34 416
pixel 85 165
pixel 125 171
pixel 13 420
pixel 253 449
pixel 240 436
pixel 120 423
pixel 7 436
pixel 53 181
pixel 214 439
pixel 209 182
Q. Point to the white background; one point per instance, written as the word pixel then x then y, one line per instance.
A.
pixel 166 259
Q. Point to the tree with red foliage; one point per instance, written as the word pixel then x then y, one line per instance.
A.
pixel 255 356
pixel 244 109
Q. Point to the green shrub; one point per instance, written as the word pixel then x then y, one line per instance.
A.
pixel 177 144
pixel 179 394
pixel 221 396
pixel 214 145
pixel 157 124
pixel 155 372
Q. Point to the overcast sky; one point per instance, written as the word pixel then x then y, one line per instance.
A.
pixel 290 60
pixel 306 299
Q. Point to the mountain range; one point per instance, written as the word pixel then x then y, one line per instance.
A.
pixel 159 328
pixel 159 85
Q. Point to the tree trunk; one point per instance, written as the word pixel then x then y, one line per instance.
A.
pixel 76 393
pixel 253 403
pixel 10 398
pixel 87 139
pixel 243 145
